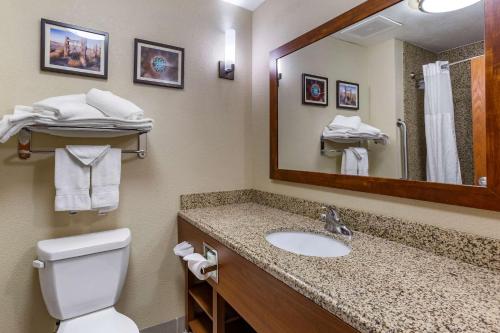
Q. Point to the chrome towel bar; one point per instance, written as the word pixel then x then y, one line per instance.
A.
pixel 25 139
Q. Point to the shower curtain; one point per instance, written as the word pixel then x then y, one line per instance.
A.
pixel 443 165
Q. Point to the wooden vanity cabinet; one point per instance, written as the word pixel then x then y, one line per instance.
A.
pixel 244 290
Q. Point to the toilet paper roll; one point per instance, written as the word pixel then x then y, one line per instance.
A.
pixel 195 263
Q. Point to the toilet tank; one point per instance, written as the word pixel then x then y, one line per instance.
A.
pixel 83 274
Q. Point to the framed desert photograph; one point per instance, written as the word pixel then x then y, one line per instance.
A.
pixel 70 49
pixel 347 95
pixel 158 64
pixel 314 90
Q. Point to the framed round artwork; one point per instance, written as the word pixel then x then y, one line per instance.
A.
pixel 314 90
pixel 158 64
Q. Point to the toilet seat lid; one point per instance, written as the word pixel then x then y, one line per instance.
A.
pixel 103 321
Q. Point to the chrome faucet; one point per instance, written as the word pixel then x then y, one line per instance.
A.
pixel 333 222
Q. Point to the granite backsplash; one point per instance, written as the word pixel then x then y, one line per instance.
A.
pixel 472 249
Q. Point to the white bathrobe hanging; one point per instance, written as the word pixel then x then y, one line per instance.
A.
pixel 443 165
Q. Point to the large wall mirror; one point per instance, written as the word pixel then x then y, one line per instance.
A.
pixel 393 97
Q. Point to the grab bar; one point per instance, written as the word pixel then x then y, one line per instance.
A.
pixel 404 148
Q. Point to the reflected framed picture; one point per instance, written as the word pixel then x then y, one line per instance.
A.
pixel 347 95
pixel 158 64
pixel 314 90
pixel 70 49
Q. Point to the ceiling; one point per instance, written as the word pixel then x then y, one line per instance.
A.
pixel 433 32
pixel 247 4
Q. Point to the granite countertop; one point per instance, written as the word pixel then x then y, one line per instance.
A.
pixel 381 286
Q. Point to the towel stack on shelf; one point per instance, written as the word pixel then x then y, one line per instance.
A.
pixel 96 109
pixel 352 129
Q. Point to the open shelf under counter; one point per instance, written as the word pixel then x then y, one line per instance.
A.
pixel 200 325
pixel 208 311
pixel 202 295
pixel 239 326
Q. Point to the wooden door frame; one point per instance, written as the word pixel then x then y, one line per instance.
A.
pixel 462 195
pixel 478 85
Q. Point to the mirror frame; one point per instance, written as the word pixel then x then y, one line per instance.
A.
pixel 462 195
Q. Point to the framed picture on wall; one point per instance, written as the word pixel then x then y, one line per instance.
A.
pixel 314 90
pixel 67 48
pixel 158 64
pixel 347 95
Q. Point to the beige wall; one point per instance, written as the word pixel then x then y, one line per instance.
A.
pixel 279 21
pixel 200 143
pixel 376 69
pixel 384 70
pixel 300 126
pixel 208 137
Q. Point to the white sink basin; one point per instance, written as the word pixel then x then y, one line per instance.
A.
pixel 308 244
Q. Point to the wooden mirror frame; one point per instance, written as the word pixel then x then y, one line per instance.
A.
pixel 462 195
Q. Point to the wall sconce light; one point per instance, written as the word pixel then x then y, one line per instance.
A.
pixel 226 67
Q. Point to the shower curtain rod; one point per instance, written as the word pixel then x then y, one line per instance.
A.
pixel 414 76
pixel 461 61
pixel 419 81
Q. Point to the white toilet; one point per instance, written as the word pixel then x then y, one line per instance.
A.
pixel 81 279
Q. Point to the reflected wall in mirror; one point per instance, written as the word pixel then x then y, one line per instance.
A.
pixel 413 70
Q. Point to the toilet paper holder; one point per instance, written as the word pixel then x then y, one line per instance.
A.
pixel 209 269
pixel 212 256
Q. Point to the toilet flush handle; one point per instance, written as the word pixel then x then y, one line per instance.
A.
pixel 38 264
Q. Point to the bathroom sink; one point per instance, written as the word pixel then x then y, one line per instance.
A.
pixel 308 244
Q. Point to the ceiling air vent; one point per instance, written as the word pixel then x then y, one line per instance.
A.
pixel 371 27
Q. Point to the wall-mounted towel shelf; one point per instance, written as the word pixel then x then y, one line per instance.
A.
pixel 350 141
pixel 25 138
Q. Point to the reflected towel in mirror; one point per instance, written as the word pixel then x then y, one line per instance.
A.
pixel 355 162
pixel 341 122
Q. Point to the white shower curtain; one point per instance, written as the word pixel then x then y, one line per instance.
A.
pixel 443 165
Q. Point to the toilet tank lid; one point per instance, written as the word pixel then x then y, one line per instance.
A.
pixel 76 246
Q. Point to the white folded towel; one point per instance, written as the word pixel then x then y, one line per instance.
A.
pixel 72 181
pixel 195 263
pixel 113 106
pixel 5 126
pixel 106 174
pixel 349 163
pixel 67 107
pixel 52 103
pixel 348 135
pixel 78 168
pixel 363 164
pixel 183 249
pixel 367 129
pixel 342 122
pixel 350 127
pixel 88 155
pixel 355 162
pixel 24 116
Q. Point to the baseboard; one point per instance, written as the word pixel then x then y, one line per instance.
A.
pixel 173 326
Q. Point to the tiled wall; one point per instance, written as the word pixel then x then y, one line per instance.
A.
pixel 414 58
pixel 462 101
